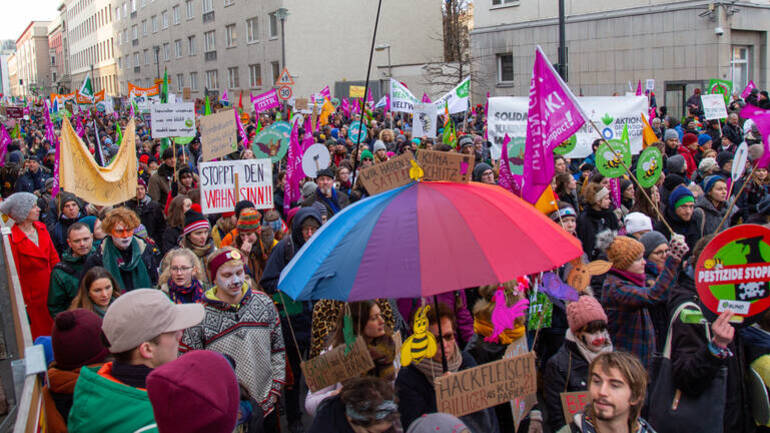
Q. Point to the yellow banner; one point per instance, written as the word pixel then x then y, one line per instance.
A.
pixel 80 175
pixel 357 91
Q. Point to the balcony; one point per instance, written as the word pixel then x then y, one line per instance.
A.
pixel 208 17
pixel 211 56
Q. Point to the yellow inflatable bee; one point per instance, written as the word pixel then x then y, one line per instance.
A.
pixel 421 344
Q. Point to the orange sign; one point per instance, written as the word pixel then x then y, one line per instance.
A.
pixel 143 91
pixel 98 97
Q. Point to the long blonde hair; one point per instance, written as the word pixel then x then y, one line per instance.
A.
pixel 165 265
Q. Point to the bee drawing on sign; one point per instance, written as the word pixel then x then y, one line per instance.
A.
pixel 613 160
pixel 424 121
pixel 650 167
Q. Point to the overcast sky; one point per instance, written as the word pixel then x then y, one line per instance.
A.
pixel 16 15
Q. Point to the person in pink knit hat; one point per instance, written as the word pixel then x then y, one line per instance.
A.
pixel 567 370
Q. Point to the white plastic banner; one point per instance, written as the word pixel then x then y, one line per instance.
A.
pixel 456 99
pixel 401 98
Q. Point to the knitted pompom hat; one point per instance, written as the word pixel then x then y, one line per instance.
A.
pixel 624 251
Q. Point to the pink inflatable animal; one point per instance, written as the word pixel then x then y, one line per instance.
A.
pixel 503 316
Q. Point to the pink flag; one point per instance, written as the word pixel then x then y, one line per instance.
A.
pixel 486 110
pixel 762 119
pixel 5 140
pixel 307 139
pixel 346 107
pixel 615 191
pixel 51 136
pixel 639 88
pixel 131 112
pixel 554 115
pixel 370 98
pixel 506 179
pixel 79 127
pixel 293 170
pixel 224 96
pixel 425 98
pixel 241 132
pixel 115 115
pixel 387 102
pixel 356 106
pixel 326 93
pixel 747 91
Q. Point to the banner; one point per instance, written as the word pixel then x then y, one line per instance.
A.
pixel 62 98
pixel 102 186
pixel 424 124
pixel 136 91
pixel 508 114
pixel 224 183
pixel 81 99
pixel 173 120
pixel 401 98
pixel 356 91
pixel 265 101
pixel 747 91
pixel 456 99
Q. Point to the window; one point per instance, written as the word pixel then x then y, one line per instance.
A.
pixel 212 80
pixel 741 66
pixel 208 6
pixel 191 45
pixel 193 81
pixel 146 57
pixel 166 51
pixel 233 80
pixel 144 27
pixel 133 5
pixel 179 82
pixel 120 38
pixel 229 2
pixel 164 19
pixel 230 35
pixel 136 59
pixel 178 48
pixel 252 30
pixel 135 32
pixel 255 75
pixel 120 62
pixel 175 15
pixel 117 14
pixel 276 70
pixel 125 9
pixel 190 9
pixel 273 25
pixel 154 20
pixel 209 41
pixel 505 68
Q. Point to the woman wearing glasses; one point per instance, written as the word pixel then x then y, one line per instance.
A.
pixel 182 276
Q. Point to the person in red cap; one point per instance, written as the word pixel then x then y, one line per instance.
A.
pixel 689 149
pixel 242 323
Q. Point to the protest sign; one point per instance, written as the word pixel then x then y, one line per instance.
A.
pixel 452 167
pixel 610 114
pixel 649 84
pixel 218 181
pixel 173 120
pixel 714 106
pixel 334 366
pixel 186 93
pixel 610 160
pixel 740 160
pixel 272 142
pixel 265 101
pixel 456 99
pixel 218 135
pixel 520 405
pixel 424 120
pixel 387 175
pixel 733 271
pixel 649 166
pixel 14 112
pixel 401 98
pixel 300 104
pixel 136 91
pixel 315 159
pixel 102 186
pixel 721 87
pixel 487 385
pixel 573 403
pixel 356 91
pixel 357 131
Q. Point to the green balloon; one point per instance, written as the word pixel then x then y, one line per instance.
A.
pixel 183 140
pixel 608 162
pixel 272 142
pixel 649 166
pixel 566 147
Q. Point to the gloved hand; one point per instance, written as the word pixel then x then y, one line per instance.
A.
pixel 678 246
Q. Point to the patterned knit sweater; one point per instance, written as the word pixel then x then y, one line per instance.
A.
pixel 250 333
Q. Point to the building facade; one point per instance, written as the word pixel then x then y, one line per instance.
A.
pixel 32 61
pixel 13 75
pixel 59 52
pixel 610 43
pixel 236 45
pixel 90 44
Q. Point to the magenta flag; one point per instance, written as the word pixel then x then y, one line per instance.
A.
pixel 241 131
pixel 131 111
pixel 615 191
pixel 370 98
pixel 387 102
pixel 762 119
pixel 326 92
pixel 554 115
pixel 747 91
pixel 294 173
pixel 639 88
pixel 507 179
pixel 425 98
pixel 224 96
pixel 265 101
pixel 79 127
pixel 307 139
pixel 50 135
pixel 486 110
pixel 346 107
pixel 5 140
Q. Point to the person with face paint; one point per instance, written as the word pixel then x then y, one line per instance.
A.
pixel 567 370
pixel 131 260
pixel 243 324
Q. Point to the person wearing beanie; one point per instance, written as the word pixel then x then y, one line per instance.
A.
pixel 705 142
pixel 567 370
pixel 627 298
pixel 254 242
pixel 713 203
pixel 362 404
pixel 656 251
pixel 627 193
pixel 597 216
pixel 194 403
pixel 308 189
pixel 69 213
pixel 242 322
pixel 35 256
pixel 683 216
pixel 689 150
pixel 240 208
pixel 566 217
pixel 707 167
pixel 76 343
pixel 367 158
pixel 380 152
pixel 224 225
pixel 725 161
pixel 676 164
pixel 637 224
pixel 483 172
pixel 438 423
pixel 671 139
pixel 196 235
pixel 333 199
pixel 33 178
pixel 159 185
pixel 150 212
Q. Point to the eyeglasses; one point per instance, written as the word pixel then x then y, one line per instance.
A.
pixel 180 268
pixel 661 252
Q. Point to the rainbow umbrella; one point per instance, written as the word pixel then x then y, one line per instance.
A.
pixel 423 239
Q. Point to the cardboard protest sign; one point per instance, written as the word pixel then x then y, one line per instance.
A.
pixel 573 403
pixel 218 134
pixel 714 106
pixel 520 405
pixel 272 142
pixel 300 104
pixel 388 175
pixel 733 271
pixel 224 183
pixel 80 175
pixel 424 120
pixel 173 120
pixel 452 167
pixel 334 366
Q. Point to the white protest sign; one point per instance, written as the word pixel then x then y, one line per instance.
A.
pixel 714 106
pixel 610 114
pixel 739 161
pixel 173 120
pixel 251 178
pixel 424 120
pixel 649 84
pixel 456 99
pixel 401 98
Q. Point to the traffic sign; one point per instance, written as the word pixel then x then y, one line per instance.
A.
pixel 284 93
pixel 285 79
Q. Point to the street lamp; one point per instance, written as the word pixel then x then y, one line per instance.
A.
pixel 281 14
pixel 383 47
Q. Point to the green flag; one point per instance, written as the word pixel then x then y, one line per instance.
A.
pixel 16 132
pixel 119 138
pixel 208 107
pixel 449 135
pixel 259 126
pixel 87 88
pixel 164 88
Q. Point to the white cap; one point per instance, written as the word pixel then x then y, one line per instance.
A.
pixel 636 222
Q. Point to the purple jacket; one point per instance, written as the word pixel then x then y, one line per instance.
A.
pixel 464 318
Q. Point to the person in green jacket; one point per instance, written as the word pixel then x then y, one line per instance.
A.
pixel 66 274
pixel 142 329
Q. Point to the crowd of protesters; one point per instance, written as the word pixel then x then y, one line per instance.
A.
pixel 164 319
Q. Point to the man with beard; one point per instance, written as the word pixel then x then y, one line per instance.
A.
pixel 326 194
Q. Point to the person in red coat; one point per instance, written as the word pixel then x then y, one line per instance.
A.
pixel 35 257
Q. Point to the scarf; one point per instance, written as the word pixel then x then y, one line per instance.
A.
pixel 587 353
pixel 633 277
pixel 185 295
pixel 112 260
pixel 383 352
pixel 433 369
pixel 331 202
pixel 201 252
pixel 485 328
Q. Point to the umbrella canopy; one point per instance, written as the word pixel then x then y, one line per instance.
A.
pixel 423 239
